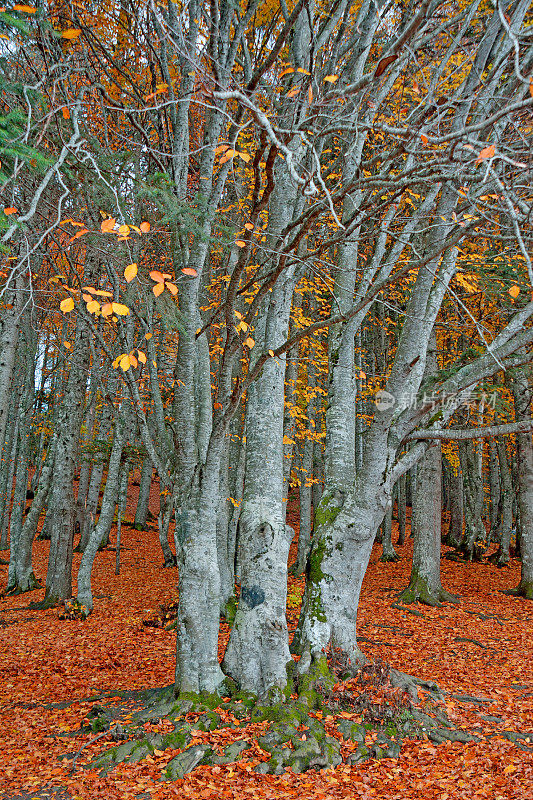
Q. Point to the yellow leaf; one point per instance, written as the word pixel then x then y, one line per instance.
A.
pixel 148 335
pixel 120 309
pixel 303 71
pixel 108 225
pixel 244 156
pixel 71 33
pixel 172 288
pixel 293 92
pixel 66 305
pixel 158 289
pixel 249 342
pixel 240 243
pixel 271 353
pixel 93 306
pixel 286 71
pixel 130 272
pixel 331 78
pixel 145 227
pixel 248 226
pixel 124 230
pixel 67 345
pixel 102 293
pixel 107 309
pixel 133 360
pixel 125 362
pixel 87 297
pixel 142 357
pixel 221 149
pixel 514 291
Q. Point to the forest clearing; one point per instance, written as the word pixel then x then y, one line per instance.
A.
pixel 266 454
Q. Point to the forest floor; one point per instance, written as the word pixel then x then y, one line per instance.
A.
pixel 479 652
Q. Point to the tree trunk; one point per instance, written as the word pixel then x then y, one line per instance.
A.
pixel 402 510
pixel 522 399
pixel 145 483
pixel 425 583
pixel 505 523
pixel 389 553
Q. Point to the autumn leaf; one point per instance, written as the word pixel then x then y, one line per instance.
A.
pixel 71 33
pixel 10 210
pixel 144 227
pixel 125 362
pixel 286 71
pixel 383 64
pixel 120 309
pixel 189 271
pixel 249 342
pixel 142 356
pixel 24 9
pixel 331 78
pixel 424 138
pixel 487 152
pixel 158 289
pixel 172 288
pixel 514 291
pixel 124 230
pixel 66 305
pixel 157 276
pixel 240 243
pixel 130 272
pixel 78 234
pixel 108 225
pixel 107 309
pixel 93 306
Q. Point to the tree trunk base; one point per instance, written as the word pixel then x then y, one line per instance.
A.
pixel 386 557
pixel 30 585
pixel 418 591
pixel 524 589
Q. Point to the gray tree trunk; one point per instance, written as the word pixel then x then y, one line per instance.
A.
pixel 402 510
pixel 389 553
pixel 505 523
pixel 522 395
pixel 425 582
pixel 145 483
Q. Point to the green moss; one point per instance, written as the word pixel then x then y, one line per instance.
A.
pixel 327 511
pixel 230 610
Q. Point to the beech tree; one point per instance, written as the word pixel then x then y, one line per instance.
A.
pixel 213 164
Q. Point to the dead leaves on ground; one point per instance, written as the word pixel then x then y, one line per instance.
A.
pixel 477 649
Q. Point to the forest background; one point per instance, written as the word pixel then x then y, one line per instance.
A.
pixel 267 256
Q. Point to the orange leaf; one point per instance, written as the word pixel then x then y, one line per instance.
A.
pixel 108 225
pixel 189 271
pixel 24 9
pixel 424 138
pixel 107 309
pixel 93 306
pixel 240 243
pixel 78 234
pixel 331 78
pixel 120 309
pixel 8 211
pixel 71 33
pixel 172 288
pixel 158 289
pixel 145 227
pixel 157 276
pixel 66 305
pixel 130 272
pixel 514 291
pixel 487 152
pixel 66 113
